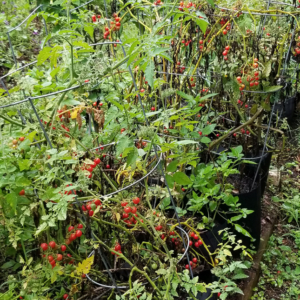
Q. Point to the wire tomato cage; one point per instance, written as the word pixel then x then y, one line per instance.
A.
pixel 32 102
pixel 156 150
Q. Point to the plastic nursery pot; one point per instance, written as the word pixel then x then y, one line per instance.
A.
pixel 211 238
pixel 251 169
pixel 286 109
pixel 252 201
pixel 208 294
pixel 264 168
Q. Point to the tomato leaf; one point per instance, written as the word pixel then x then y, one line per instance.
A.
pixel 182 178
pixel 149 73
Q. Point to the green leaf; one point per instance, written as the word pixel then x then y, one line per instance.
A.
pixel 201 23
pixel 31 136
pixel 149 73
pixel 62 213
pixel 8 264
pixel 162 272
pixel 181 178
pixel 133 46
pixel 253 109
pixel 90 30
pixel 201 287
pixel 172 167
pixel 240 229
pixel 22 181
pixel 167 57
pixel 240 276
pixel 131 58
pixel 12 200
pixel 211 2
pixel 24 164
pixel 297 271
pixel 207 96
pixel 212 205
pixel 236 218
pixel 157 51
pixel 265 105
pixel 285 248
pixel 170 180
pixel 185 96
pixel 208 129
pixel 165 203
pixel 180 211
pixel 83 45
pixel 44 54
pixel 186 142
pixel 274 88
pixel 223 296
pixel 124 142
pixel 205 140
pixel 70 102
pixel 237 151
pixel 132 157
pixel 266 72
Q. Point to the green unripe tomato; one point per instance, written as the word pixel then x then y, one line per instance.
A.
pixel 154 266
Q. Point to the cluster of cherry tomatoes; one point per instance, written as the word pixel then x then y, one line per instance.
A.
pixel 243 131
pixel 117 248
pixel 179 67
pixel 130 211
pixel 189 5
pixel 158 2
pixel 74 233
pixel 297 49
pixel 225 52
pixel 252 79
pixel 52 258
pixel 90 168
pixel 91 206
pixel 141 145
pixel 114 26
pixel 94 18
pixel 223 21
pixel 186 43
pixel 95 104
pixel 14 143
pixel 193 263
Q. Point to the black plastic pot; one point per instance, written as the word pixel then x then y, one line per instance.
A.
pixel 251 169
pixel 264 168
pixel 204 296
pixel 212 238
pixel 286 109
pixel 251 201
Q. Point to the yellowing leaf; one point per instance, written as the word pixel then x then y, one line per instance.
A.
pixel 53 277
pixel 227 252
pixel 118 217
pixel 22 261
pixel 85 266
pixel 74 114
pixel 29 261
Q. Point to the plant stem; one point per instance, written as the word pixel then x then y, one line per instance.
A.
pixel 8 119
pixel 219 140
